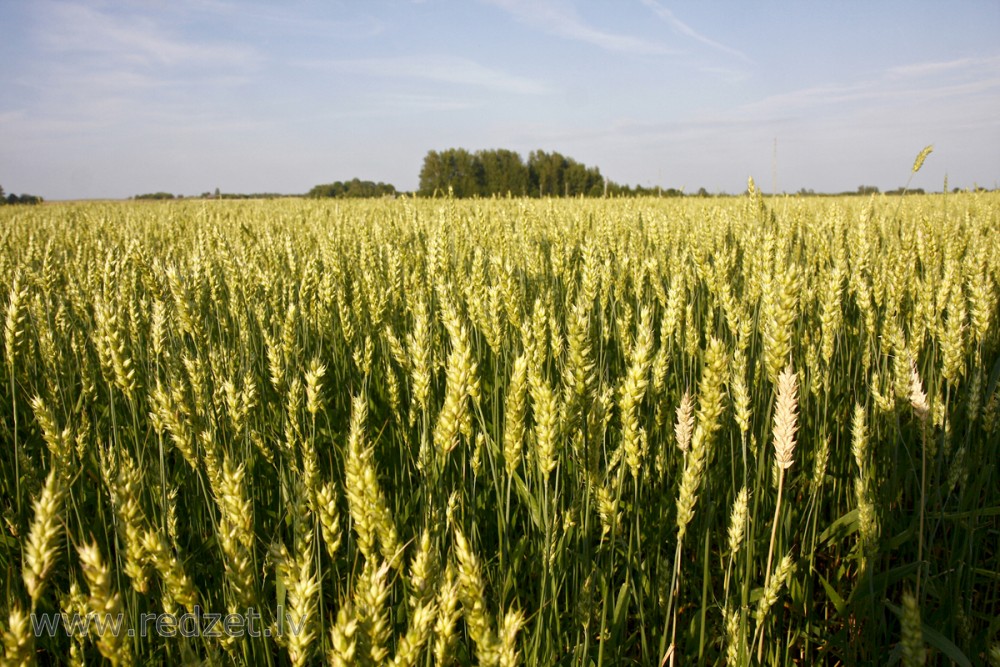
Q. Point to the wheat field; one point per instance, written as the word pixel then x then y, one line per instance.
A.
pixel 735 431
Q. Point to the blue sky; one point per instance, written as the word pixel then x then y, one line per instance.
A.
pixel 111 99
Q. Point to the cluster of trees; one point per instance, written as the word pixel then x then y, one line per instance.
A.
pixel 905 191
pixel 500 172
pixel 865 190
pixel 155 196
pixel 160 196
pixel 18 199
pixel 486 173
pixel 873 190
pixel 617 190
pixel 353 188
pixel 244 195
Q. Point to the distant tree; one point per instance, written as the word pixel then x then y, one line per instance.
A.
pixel 595 183
pixel 486 173
pixel 613 189
pixel 432 178
pixel 1 195
pixel 23 199
pixel 155 196
pixel 867 190
pixel 462 172
pixel 574 178
pixel 702 192
pixel 547 172
pixel 456 170
pixel 467 174
pixel 355 188
pixel 504 172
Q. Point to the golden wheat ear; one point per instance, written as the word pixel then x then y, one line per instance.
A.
pixel 786 419
pixel 921 156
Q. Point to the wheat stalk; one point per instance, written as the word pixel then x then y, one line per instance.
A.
pixel 785 426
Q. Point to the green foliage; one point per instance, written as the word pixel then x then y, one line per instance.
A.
pixel 21 199
pixel 455 171
pixel 504 172
pixel 353 189
pixel 501 172
pixel 554 175
pixel 154 196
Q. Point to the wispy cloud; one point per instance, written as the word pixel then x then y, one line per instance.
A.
pixel 105 65
pixel 906 87
pixel 417 102
pixel 72 29
pixel 684 29
pixel 888 107
pixel 439 69
pixel 393 105
pixel 274 18
pixel 728 74
pixel 958 66
pixel 561 19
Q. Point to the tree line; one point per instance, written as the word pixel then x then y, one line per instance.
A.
pixel 352 189
pixel 499 172
pixel 484 173
pixel 167 196
pixel 18 199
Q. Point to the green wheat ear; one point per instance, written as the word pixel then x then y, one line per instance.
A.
pixel 919 162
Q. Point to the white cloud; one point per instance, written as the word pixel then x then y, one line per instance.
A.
pixel 439 69
pixel 106 66
pixel 892 90
pixel 684 29
pixel 416 102
pixel 275 18
pixel 560 19
pixel 71 29
pixel 862 129
pixel 957 66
